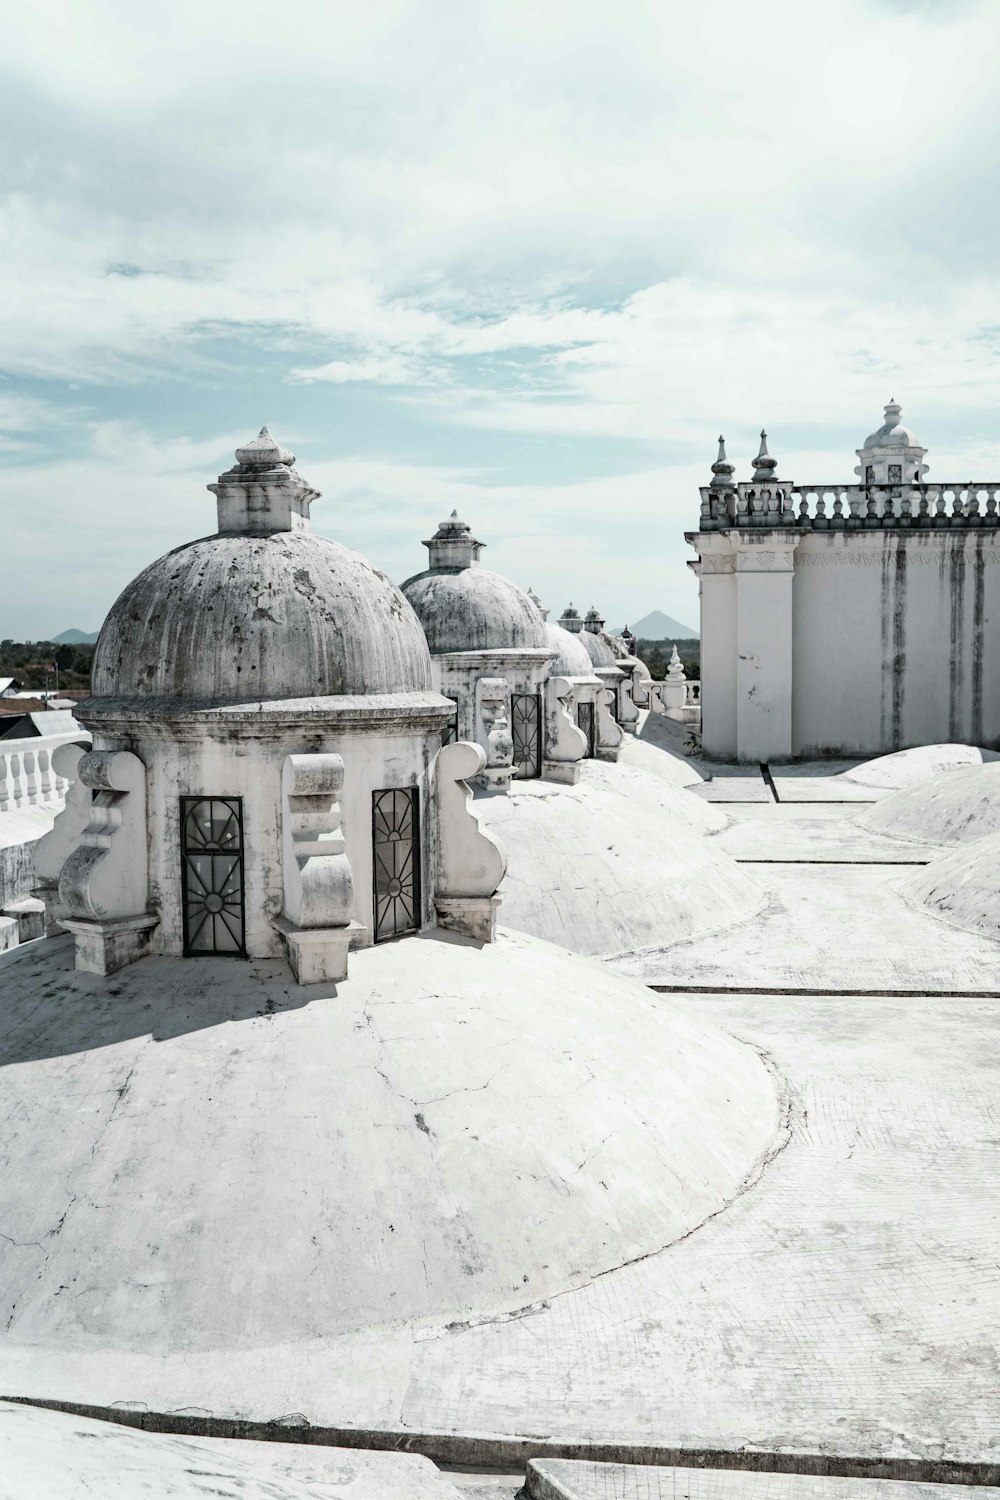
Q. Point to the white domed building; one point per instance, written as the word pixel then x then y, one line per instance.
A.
pixel 256 1187
pixel 264 728
pixel 489 650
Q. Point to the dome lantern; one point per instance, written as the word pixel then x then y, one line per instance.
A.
pixel 262 492
pixel 453 546
pixel 892 454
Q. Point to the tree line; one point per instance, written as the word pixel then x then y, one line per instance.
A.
pixel 34 664
pixel 656 655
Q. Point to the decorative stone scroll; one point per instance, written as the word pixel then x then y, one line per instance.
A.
pixel 316 922
pixel 471 861
pixel 493 722
pixel 609 734
pixel 565 743
pixel 104 882
pixel 54 848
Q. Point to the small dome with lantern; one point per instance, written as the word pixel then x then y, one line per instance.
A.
pixel 892 454
pixel 463 607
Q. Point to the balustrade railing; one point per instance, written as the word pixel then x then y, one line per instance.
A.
pixel 27 778
pixel 851 507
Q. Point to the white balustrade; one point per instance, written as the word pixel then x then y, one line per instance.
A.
pixel 27 777
pixel 852 507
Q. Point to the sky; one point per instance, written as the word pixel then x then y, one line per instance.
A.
pixel 526 258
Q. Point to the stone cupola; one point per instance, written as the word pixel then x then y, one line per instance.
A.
pixel 489 652
pixel 267 775
pixel 892 454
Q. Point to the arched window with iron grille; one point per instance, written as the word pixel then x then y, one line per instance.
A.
pixel 395 861
pixel 212 875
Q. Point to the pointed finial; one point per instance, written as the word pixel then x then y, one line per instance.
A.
pixel 764 465
pixel 722 469
pixel 537 602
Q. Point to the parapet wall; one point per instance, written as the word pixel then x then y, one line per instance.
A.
pixel 848 641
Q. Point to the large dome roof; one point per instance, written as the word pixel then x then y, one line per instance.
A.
pixel 474 610
pixel 291 1171
pixel 244 617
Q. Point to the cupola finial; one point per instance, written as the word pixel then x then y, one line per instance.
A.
pixel 722 469
pixel 764 466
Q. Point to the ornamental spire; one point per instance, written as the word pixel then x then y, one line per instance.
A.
pixel 537 603
pixel 764 466
pixel 722 469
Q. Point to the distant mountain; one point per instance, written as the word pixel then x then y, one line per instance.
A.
pixel 659 627
pixel 76 638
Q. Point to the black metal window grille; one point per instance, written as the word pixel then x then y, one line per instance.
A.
pixel 585 719
pixel 526 732
pixel 895 473
pixel 396 861
pixel 449 734
pixel 212 875
pixel 869 473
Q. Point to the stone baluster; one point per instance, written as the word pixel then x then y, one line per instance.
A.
pixel 957 509
pixel 742 508
pixel 837 520
pixel 905 508
pixel 104 884
pixel 940 513
pixel 854 501
pixel 871 510
pixel 804 518
pixel 317 916
pixel 991 507
pixel 6 781
pixel 820 521
pixel 471 861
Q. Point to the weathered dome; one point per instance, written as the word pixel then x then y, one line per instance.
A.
pixel 285 615
pixel 597 648
pixel 263 610
pixel 573 659
pixel 464 607
pixel 892 433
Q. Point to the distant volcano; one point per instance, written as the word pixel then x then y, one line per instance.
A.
pixel 83 637
pixel 659 627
